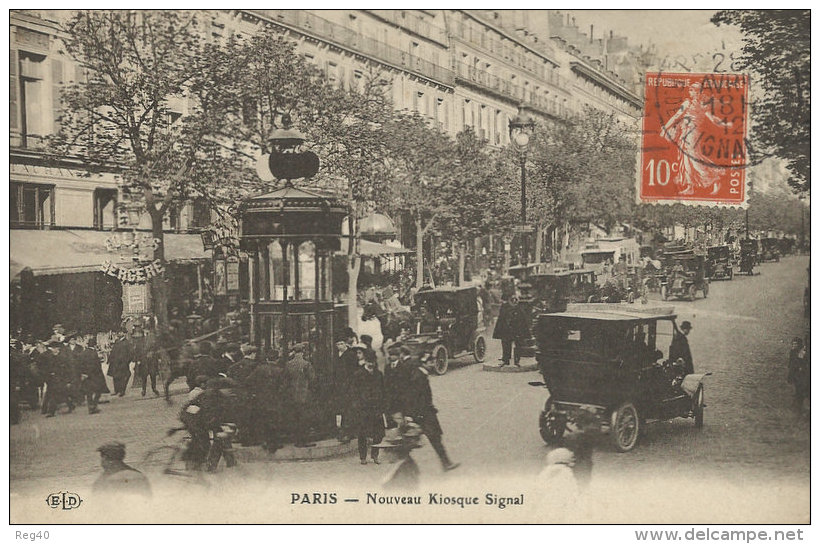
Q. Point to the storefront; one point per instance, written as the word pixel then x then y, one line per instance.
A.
pixel 56 276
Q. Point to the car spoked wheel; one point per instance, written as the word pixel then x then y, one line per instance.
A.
pixel 551 425
pixel 692 292
pixel 440 357
pixel 479 349
pixel 697 407
pixel 626 427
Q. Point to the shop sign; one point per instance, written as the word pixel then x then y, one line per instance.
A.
pixel 137 274
pixel 233 274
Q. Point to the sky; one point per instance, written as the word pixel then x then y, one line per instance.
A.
pixel 674 32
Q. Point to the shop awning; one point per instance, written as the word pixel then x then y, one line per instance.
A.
pixel 374 249
pixel 68 251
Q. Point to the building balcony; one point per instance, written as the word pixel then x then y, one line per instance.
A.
pixel 345 37
pixel 413 24
pixel 506 89
pixel 510 54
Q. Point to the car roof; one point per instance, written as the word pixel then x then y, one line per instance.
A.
pixel 447 290
pixel 564 273
pixel 614 312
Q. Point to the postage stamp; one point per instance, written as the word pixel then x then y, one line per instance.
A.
pixel 694 134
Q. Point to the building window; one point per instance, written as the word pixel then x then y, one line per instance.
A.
pixel 31 205
pixel 32 99
pixel 201 214
pixel 105 208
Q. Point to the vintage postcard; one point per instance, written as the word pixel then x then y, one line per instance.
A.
pixel 450 266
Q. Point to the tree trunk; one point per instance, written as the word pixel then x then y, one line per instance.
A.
pixel 539 240
pixel 419 254
pixel 461 250
pixel 159 284
pixel 354 264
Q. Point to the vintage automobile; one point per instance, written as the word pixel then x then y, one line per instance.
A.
pixel 447 324
pixel 769 249
pixel 748 256
pixel 684 275
pixel 551 292
pixel 719 263
pixel 602 367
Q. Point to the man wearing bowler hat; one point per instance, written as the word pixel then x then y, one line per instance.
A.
pixel 117 477
pixel 679 348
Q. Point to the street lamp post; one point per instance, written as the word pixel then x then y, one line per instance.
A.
pixel 747 212
pixel 521 127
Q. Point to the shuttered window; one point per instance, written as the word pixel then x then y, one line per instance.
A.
pixel 56 93
pixel 14 91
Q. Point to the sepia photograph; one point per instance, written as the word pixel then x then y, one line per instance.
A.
pixel 410 266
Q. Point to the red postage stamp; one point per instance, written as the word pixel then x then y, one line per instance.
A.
pixel 693 147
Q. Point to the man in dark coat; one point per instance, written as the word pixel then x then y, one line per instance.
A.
pixel 119 478
pixel 92 383
pixel 149 363
pixel 679 348
pixel 230 355
pixel 395 378
pixel 267 388
pixel 58 374
pixel 418 404
pixel 301 377
pixel 368 408
pixel 72 354
pixel 41 360
pixel 204 364
pixel 799 373
pixel 510 327
pixel 119 364
pixel 348 361
pixel 243 368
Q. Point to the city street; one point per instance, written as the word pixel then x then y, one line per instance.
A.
pixel 752 443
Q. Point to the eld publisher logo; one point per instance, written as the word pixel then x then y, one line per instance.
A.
pixel 64 500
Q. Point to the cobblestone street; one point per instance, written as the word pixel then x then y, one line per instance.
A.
pixel 751 439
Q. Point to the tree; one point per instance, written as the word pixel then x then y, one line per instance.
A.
pixel 475 207
pixel 119 115
pixel 777 52
pixel 421 160
pixel 349 136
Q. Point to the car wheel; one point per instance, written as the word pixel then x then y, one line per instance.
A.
pixel 697 407
pixel 440 357
pixel 705 289
pixel 625 428
pixel 479 348
pixel 551 427
pixel 664 292
pixel 692 292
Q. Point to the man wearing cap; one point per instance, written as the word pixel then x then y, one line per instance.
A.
pixel 679 348
pixel 119 364
pixel 267 394
pixel 243 368
pixel 118 477
pixel 348 361
pixel 395 378
pixel 510 327
pixel 58 374
pixel 368 408
pixel 204 363
pixel 301 377
pixel 418 404
pixel 230 356
pixel 92 383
